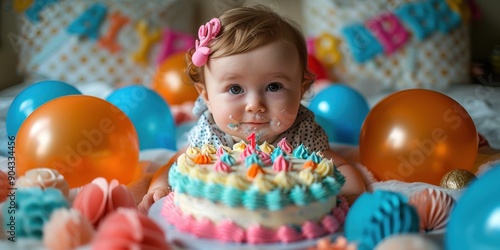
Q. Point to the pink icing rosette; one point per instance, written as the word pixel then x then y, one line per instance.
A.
pixel 67 229
pixel 281 164
pixel 4 184
pixel 221 150
pixel 266 158
pixel 285 146
pixel 98 198
pixel 220 166
pixel 128 229
pixel 246 153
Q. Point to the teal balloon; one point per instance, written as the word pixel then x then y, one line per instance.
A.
pixel 327 127
pixel 31 98
pixel 474 221
pixel 342 110
pixel 150 115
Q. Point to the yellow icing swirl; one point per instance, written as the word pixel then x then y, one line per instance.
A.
pixel 218 178
pixel 284 180
pixel 266 148
pixel 184 163
pixel 325 167
pixel 227 149
pixel 237 181
pixel 240 146
pixel 307 176
pixel 192 151
pixel 262 183
pixel 199 173
pixel 208 149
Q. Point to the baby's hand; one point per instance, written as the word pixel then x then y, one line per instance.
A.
pixel 151 197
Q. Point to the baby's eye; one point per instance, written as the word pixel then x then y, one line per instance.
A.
pixel 235 89
pixel 273 87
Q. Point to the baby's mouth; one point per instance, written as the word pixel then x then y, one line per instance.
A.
pixel 251 126
pixel 253 123
pixel 256 123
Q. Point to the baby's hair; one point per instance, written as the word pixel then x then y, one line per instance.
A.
pixel 244 29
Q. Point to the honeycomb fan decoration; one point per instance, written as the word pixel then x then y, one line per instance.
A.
pixel 375 216
pixel 433 207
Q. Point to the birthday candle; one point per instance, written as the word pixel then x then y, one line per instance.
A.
pixel 251 138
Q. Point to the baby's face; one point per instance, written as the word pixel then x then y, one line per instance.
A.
pixel 255 92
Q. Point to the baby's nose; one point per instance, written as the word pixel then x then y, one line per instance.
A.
pixel 255 104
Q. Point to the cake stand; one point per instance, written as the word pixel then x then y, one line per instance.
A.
pixel 187 241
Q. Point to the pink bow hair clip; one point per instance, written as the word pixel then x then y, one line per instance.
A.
pixel 206 33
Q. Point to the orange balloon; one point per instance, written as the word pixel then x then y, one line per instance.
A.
pixel 417 135
pixel 83 137
pixel 172 83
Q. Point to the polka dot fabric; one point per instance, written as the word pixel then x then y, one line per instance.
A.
pixel 49 49
pixel 303 131
pixel 434 62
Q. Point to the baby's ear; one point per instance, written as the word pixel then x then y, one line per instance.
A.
pixel 305 85
pixel 200 87
pixel 202 90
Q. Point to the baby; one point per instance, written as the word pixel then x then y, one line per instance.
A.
pixel 250 69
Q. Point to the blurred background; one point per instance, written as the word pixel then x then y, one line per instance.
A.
pixel 482 36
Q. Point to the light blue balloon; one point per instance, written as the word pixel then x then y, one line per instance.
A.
pixel 150 115
pixel 474 222
pixel 344 109
pixel 327 127
pixel 33 97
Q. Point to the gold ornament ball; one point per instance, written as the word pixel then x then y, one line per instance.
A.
pixel 457 179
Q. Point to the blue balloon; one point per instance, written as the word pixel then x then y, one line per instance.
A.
pixel 33 97
pixel 150 115
pixel 343 109
pixel 474 222
pixel 328 127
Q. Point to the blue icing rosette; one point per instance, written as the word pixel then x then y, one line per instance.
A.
pixel 228 159
pixel 375 216
pixel 319 192
pixel 253 199
pixel 314 157
pixel 181 183
pixel 232 197
pixel 300 152
pixel 277 152
pixel 33 209
pixel 277 199
pixel 338 175
pixel 213 191
pixel 173 174
pixel 195 187
pixel 332 185
pixel 300 196
pixel 253 158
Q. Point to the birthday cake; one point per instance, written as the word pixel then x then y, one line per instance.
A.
pixel 255 194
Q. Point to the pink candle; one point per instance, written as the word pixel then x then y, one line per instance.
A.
pixel 251 138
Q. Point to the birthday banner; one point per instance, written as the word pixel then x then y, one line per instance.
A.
pixel 110 41
pixel 384 45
